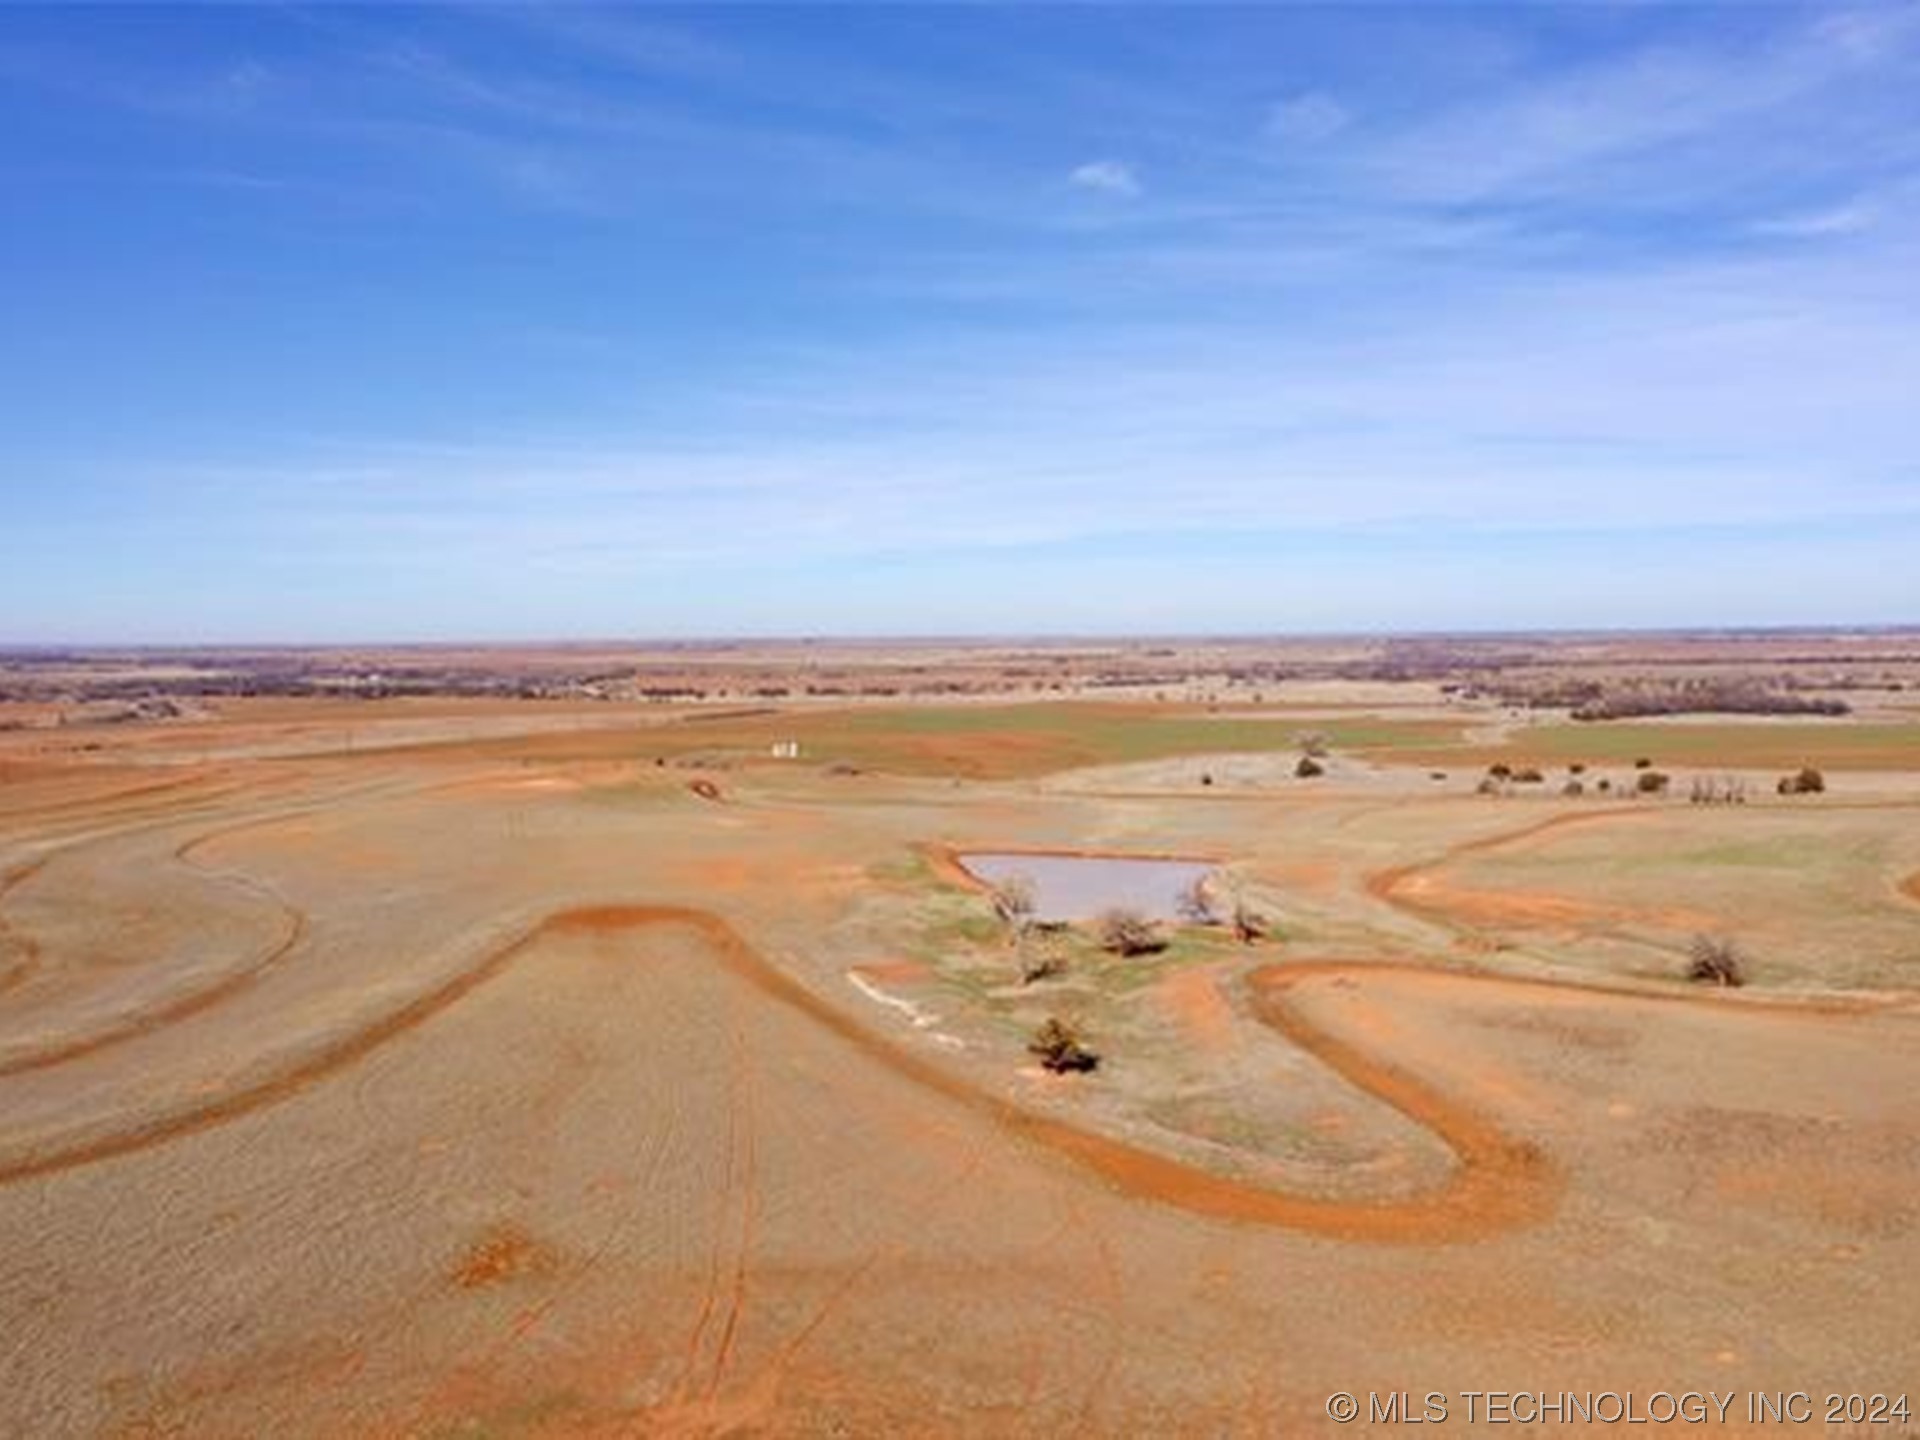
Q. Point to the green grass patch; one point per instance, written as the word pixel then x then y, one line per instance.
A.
pixel 1767 745
pixel 971 741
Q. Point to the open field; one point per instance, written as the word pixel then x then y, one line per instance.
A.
pixel 452 1066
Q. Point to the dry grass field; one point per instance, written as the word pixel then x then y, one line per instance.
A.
pixel 454 1066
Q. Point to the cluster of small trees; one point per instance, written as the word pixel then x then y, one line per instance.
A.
pixel 1717 790
pixel 1119 931
pixel 1703 696
pixel 1702 790
pixel 1500 775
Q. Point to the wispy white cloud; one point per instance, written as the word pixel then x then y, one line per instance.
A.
pixel 1842 220
pixel 1537 304
pixel 1308 118
pixel 1110 177
pixel 1556 134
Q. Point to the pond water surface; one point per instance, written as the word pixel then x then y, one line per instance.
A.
pixel 1078 887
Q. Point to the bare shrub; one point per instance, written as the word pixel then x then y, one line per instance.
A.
pixel 1573 787
pixel 1651 782
pixel 1313 743
pixel 1040 962
pixel 1060 1048
pixel 1714 960
pixel 1718 790
pixel 1528 776
pixel 1249 925
pixel 1127 932
pixel 1195 903
pixel 1804 781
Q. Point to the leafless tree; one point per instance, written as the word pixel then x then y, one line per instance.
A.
pixel 1195 903
pixel 1714 960
pixel 1014 904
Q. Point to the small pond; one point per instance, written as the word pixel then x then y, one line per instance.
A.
pixel 1077 887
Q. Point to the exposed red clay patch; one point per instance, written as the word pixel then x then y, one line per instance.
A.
pixel 1193 999
pixel 506 1252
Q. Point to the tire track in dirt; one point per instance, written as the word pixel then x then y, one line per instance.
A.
pixel 735 1177
pixel 748 1191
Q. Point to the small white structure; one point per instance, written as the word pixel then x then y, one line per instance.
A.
pixel 786 749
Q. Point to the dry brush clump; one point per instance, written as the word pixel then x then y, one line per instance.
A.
pixel 1249 925
pixel 1127 932
pixel 1061 1050
pixel 1804 781
pixel 1040 962
pixel 1715 960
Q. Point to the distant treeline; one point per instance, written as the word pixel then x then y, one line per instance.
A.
pixel 1696 698
pixel 1705 695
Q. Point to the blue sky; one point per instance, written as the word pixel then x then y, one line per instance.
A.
pixel 335 322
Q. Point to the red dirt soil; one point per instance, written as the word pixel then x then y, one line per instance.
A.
pixel 1499 1182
